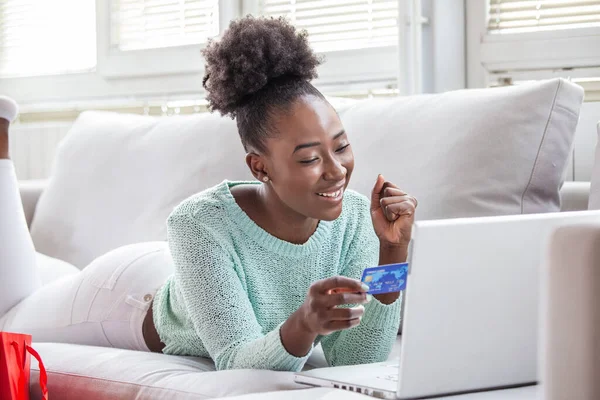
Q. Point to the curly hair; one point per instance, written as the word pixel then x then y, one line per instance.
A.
pixel 258 68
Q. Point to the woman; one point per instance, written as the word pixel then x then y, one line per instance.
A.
pixel 254 262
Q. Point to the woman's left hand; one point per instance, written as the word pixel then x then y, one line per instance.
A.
pixel 392 213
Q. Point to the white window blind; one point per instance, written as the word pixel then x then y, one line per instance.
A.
pixel 511 16
pixel 40 37
pixel 340 24
pixel 150 24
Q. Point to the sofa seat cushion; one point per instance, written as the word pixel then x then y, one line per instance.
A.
pixel 87 372
pixel 469 153
pixel 574 196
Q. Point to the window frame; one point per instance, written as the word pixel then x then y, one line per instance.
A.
pixel 185 59
pixel 573 52
pixel 377 64
pixel 118 78
pixel 144 74
pixel 564 48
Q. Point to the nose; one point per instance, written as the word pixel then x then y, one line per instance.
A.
pixel 334 170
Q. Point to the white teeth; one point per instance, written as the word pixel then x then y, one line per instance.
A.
pixel 334 194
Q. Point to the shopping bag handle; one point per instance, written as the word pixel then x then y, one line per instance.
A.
pixel 43 373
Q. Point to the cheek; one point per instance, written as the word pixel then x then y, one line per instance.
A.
pixel 296 180
pixel 296 174
pixel 348 161
pixel 304 181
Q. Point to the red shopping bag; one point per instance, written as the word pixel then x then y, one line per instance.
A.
pixel 14 367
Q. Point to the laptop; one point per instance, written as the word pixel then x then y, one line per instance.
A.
pixel 471 310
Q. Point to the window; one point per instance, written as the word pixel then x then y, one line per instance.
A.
pixel 150 24
pixel 150 50
pixel 511 16
pixel 340 24
pixel 41 37
pixel 526 40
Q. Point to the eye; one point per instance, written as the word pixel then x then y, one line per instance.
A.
pixel 343 148
pixel 309 161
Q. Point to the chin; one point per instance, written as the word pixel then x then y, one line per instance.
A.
pixel 330 215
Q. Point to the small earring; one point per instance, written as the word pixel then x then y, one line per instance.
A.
pixel 265 179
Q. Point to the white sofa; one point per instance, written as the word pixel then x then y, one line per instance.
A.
pixel 462 154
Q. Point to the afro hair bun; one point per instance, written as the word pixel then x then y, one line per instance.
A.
pixel 252 53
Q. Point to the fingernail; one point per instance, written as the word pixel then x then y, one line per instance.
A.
pixel 364 287
pixel 369 298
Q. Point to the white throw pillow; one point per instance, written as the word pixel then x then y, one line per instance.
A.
pixel 471 152
pixel 594 203
pixel 117 177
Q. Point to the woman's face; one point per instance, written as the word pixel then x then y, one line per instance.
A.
pixel 310 160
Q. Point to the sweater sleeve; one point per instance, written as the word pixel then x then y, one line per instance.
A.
pixel 218 305
pixel 372 340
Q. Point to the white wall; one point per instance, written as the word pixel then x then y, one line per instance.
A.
pixel 443 48
pixel 475 19
pixel 444 53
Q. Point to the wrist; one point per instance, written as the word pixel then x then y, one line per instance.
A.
pixel 301 322
pixel 296 338
pixel 391 253
pixel 389 246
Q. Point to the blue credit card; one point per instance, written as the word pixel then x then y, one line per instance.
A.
pixel 386 278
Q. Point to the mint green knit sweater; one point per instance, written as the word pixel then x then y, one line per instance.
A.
pixel 235 284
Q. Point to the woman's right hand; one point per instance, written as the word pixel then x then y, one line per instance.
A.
pixel 320 312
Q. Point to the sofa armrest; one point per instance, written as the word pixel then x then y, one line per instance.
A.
pixel 31 190
pixel 574 196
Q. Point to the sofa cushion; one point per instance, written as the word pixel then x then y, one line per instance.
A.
pixel 117 177
pixel 471 152
pixel 87 372
pixel 574 196
pixel 594 203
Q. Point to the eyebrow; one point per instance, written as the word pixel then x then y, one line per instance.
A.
pixel 313 144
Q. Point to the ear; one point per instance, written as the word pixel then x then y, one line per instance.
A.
pixel 257 166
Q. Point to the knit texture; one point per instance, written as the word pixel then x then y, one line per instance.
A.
pixel 235 284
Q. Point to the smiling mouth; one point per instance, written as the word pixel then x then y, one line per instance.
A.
pixel 332 195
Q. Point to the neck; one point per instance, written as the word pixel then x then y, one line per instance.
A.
pixel 283 222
